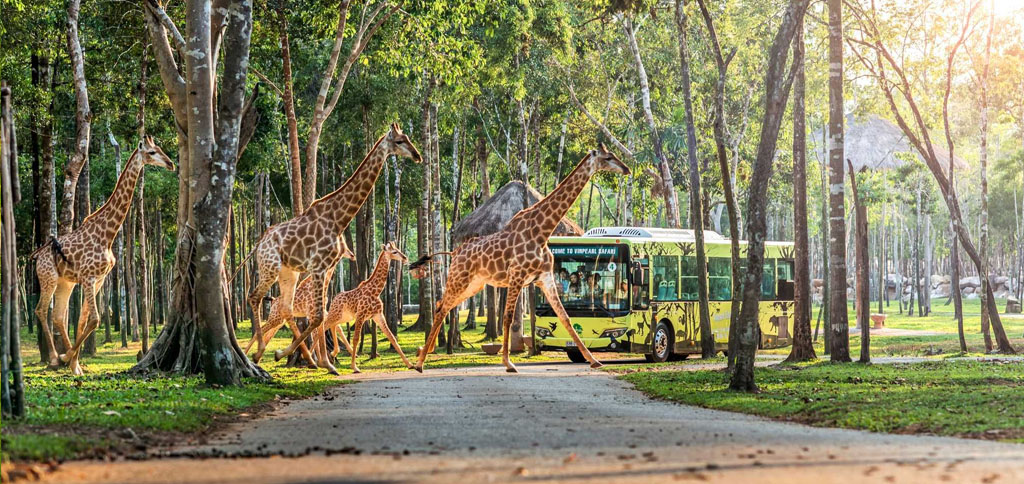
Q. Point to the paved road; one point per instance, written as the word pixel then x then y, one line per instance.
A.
pixel 551 422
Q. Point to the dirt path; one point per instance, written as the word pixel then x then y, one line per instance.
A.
pixel 552 422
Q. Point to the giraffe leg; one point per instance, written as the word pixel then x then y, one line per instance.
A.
pixel 269 271
pixel 357 336
pixel 511 301
pixel 456 290
pixel 548 286
pixel 383 324
pixel 303 349
pixel 286 279
pixel 337 342
pixel 88 320
pixel 315 317
pixel 60 310
pixel 333 323
pixel 47 286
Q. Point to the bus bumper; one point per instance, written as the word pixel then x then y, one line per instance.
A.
pixel 592 344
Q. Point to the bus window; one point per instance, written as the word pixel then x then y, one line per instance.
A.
pixel 719 279
pixel 768 280
pixel 666 277
pixel 688 279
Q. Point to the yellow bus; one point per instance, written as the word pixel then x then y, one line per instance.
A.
pixel 634 289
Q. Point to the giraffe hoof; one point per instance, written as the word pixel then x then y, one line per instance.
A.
pixel 334 372
pixel 278 355
pixel 418 368
pixel 64 358
pixel 596 364
pixel 511 369
pixel 53 365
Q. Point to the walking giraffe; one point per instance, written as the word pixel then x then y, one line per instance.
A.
pixel 84 257
pixel 518 255
pixel 359 305
pixel 313 242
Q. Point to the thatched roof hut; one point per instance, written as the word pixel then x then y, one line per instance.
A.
pixel 499 209
pixel 872 143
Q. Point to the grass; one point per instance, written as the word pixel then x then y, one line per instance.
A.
pixel 980 399
pixel 83 416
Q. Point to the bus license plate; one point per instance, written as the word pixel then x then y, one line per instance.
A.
pixel 570 344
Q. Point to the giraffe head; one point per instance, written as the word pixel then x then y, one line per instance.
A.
pixel 397 143
pixel 603 160
pixel 152 154
pixel 392 252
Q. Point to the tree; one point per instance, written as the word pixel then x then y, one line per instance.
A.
pixel 707 338
pixel 12 384
pixel 911 121
pixel 199 337
pixel 776 94
pixel 803 347
pixel 839 325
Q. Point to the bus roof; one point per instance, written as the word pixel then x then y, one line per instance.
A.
pixel 651 234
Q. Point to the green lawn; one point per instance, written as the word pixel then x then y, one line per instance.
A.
pixel 71 416
pixel 957 398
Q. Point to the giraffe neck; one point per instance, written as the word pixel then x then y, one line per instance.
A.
pixel 543 217
pixel 341 205
pixel 379 277
pixel 106 221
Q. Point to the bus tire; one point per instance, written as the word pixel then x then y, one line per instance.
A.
pixel 576 356
pixel 661 343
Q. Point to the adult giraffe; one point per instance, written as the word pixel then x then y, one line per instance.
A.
pixel 84 257
pixel 518 255
pixel 313 242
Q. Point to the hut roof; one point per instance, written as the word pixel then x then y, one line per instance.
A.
pixel 873 141
pixel 495 213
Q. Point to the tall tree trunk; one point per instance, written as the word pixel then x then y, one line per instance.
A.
pixel 11 380
pixel 83 209
pixel 47 190
pixel 288 99
pixel 839 325
pixel 671 198
pixel 707 338
pixel 984 271
pixel 776 94
pixel 803 347
pixel 83 122
pixel 861 262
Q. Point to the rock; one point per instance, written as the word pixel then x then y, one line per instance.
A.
pixel 972 282
pixel 999 280
pixel 968 291
pixel 942 290
pixel 816 283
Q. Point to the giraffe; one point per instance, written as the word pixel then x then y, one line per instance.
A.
pixel 518 255
pixel 360 304
pixel 84 257
pixel 313 242
pixel 303 300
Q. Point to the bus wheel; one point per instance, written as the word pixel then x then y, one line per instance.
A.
pixel 576 356
pixel 662 344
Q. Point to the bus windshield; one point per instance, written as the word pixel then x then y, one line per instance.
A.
pixel 591 279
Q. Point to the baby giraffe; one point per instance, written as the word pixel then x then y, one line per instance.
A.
pixel 84 257
pixel 303 306
pixel 360 304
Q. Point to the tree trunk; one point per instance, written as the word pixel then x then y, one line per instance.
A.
pixel 839 324
pixel 671 198
pixel 861 262
pixel 288 99
pixel 707 338
pixel 984 271
pixel 83 121
pixel 803 347
pixel 776 94
pixel 12 384
pixel 47 191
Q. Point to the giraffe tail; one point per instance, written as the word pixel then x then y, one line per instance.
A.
pixel 417 269
pixel 55 249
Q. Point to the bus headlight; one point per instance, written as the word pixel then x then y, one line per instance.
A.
pixel 614 333
pixel 543 333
